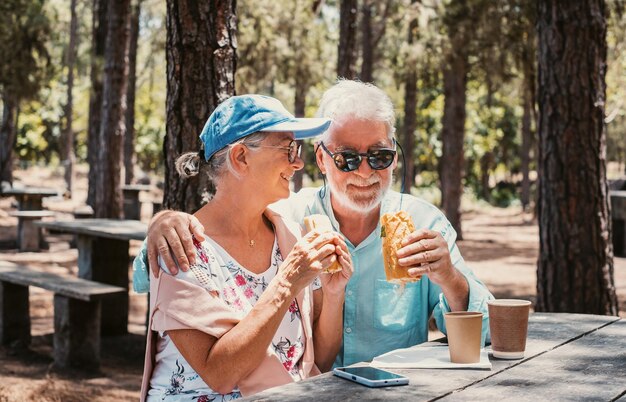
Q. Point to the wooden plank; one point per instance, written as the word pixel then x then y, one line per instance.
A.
pixel 618 204
pixel 76 333
pixel 31 214
pixel 43 191
pixel 545 332
pixel 592 367
pixel 75 288
pixel 107 228
pixel 14 314
pixel 106 261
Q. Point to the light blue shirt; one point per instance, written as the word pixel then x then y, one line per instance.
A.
pixel 379 316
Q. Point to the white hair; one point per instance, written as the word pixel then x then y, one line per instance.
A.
pixel 188 164
pixel 348 98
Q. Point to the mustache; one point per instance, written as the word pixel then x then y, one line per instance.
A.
pixel 361 182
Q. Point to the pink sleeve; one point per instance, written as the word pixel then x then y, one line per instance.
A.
pixel 178 304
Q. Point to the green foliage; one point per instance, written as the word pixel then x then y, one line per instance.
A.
pixel 24 60
pixel 285 44
pixel 616 83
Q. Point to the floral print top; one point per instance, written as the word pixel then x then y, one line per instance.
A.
pixel 173 378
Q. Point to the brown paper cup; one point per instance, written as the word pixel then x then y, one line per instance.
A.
pixel 508 323
pixel 464 330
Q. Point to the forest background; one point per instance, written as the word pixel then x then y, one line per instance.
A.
pixel 481 89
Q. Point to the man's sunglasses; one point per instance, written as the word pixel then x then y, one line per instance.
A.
pixel 293 149
pixel 347 161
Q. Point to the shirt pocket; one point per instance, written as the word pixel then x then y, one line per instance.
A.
pixel 395 309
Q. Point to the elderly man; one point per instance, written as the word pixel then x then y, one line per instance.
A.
pixel 357 154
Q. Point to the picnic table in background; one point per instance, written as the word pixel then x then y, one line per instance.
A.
pixel 568 357
pixel 618 216
pixel 103 256
pixel 132 205
pixel 30 198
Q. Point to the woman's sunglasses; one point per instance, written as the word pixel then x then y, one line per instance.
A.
pixel 347 161
pixel 293 149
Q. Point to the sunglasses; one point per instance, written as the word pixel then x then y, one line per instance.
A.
pixel 293 150
pixel 347 161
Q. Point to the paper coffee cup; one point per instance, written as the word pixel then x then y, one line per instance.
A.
pixel 464 329
pixel 508 324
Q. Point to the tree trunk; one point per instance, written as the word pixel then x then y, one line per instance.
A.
pixel 575 267
pixel 410 112
pixel 201 61
pixel 299 108
pixel 347 54
pixel 98 42
pixel 8 135
pixel 68 140
pixel 129 139
pixel 526 145
pixel 486 163
pixel 452 162
pixel 109 201
pixel 367 47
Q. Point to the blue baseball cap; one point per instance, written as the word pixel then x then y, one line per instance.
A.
pixel 240 116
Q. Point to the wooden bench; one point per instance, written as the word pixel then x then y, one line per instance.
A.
pixel 29 236
pixel 77 304
pixel 84 212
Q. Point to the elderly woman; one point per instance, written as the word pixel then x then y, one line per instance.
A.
pixel 254 312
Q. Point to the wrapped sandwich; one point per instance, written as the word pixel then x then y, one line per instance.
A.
pixel 394 227
pixel 322 224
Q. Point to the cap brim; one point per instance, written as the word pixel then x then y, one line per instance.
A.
pixel 302 127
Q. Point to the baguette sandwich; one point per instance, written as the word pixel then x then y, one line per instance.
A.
pixel 321 223
pixel 394 227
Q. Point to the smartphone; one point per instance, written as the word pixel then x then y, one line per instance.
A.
pixel 370 376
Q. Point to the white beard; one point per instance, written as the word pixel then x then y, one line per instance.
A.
pixel 361 204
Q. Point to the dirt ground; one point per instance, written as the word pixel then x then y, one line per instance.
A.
pixel 501 246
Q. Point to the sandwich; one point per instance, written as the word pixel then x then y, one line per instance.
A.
pixel 322 224
pixel 394 227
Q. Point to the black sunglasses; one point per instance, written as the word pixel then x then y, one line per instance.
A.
pixel 347 161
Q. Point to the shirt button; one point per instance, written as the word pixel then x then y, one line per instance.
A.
pixel 348 330
pixel 349 293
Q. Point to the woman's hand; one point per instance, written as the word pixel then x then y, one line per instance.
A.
pixel 310 255
pixel 335 284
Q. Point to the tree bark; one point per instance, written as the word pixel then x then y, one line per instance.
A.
pixel 301 88
pixel 201 61
pixel 347 50
pixel 452 162
pixel 526 146
pixel 109 201
pixel 8 135
pixel 129 139
pixel 68 140
pixel 575 267
pixel 410 112
pixel 367 47
pixel 98 42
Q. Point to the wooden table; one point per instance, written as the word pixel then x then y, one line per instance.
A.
pixel 568 357
pixel 30 198
pixel 132 206
pixel 618 216
pixel 103 257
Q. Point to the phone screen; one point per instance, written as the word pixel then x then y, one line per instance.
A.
pixel 371 373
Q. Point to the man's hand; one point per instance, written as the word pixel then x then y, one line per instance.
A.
pixel 425 252
pixel 335 283
pixel 170 236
